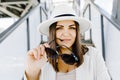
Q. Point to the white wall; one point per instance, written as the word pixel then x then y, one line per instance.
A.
pixel 112 43
pixel 12 54
pixel 14 48
pixel 96 28
pixel 34 21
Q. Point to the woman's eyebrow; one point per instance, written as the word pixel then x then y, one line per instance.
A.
pixel 60 25
pixel 63 25
pixel 72 25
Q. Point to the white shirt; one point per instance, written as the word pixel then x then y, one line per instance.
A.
pixel 66 76
pixel 93 68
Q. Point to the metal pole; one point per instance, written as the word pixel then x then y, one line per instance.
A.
pixel 41 36
pixel 28 35
pixel 90 20
pixel 102 37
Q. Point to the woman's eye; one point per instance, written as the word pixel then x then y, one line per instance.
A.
pixel 58 28
pixel 73 28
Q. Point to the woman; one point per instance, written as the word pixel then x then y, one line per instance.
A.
pixel 64 57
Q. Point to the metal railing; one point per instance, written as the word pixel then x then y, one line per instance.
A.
pixel 10 29
pixel 104 14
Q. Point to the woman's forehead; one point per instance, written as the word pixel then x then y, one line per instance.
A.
pixel 66 22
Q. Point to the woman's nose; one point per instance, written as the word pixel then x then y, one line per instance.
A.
pixel 66 32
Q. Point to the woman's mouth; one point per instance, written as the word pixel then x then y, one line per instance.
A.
pixel 65 40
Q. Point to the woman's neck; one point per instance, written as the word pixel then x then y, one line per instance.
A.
pixel 63 67
pixel 65 51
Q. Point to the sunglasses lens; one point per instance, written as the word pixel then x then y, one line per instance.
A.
pixel 51 53
pixel 69 59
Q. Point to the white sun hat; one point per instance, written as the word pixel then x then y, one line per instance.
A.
pixel 63 12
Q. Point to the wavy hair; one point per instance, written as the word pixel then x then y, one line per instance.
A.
pixel 78 49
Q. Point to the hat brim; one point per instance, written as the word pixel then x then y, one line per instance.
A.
pixel 43 27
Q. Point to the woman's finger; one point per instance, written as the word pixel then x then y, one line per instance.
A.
pixel 33 52
pixel 46 45
pixel 42 51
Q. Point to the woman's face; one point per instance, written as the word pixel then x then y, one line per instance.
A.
pixel 66 30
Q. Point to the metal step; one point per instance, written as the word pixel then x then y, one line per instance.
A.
pixel 87 42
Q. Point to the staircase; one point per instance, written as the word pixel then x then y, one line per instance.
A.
pixel 16 8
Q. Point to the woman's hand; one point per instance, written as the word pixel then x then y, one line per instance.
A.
pixel 36 58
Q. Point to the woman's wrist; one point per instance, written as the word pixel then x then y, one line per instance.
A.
pixel 32 75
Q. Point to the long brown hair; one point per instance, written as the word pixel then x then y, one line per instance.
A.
pixel 78 49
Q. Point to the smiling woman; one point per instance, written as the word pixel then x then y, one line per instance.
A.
pixel 66 30
pixel 65 58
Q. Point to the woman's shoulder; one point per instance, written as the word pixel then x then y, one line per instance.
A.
pixel 92 51
pixel 93 55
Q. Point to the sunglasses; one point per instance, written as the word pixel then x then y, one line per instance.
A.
pixel 67 58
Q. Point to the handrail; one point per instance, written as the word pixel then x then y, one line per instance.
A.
pixel 111 19
pixel 108 17
pixel 10 29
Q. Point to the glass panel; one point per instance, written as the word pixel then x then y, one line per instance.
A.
pixel 112 49
pixel 6 22
pixel 102 4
